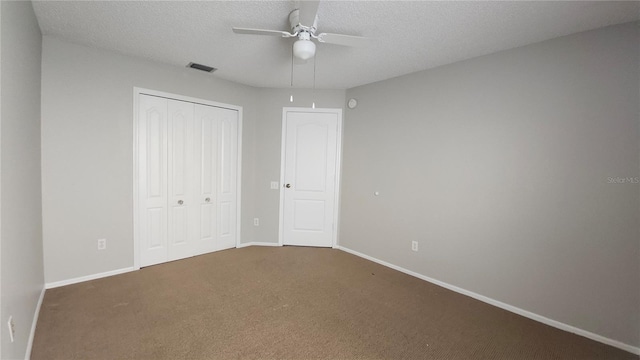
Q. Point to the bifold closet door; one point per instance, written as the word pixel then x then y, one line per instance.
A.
pixel 182 217
pixel 152 179
pixel 227 174
pixel 206 157
pixel 217 130
pixel 187 168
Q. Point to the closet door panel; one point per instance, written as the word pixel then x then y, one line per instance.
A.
pixel 227 170
pixel 152 174
pixel 207 176
pixel 181 170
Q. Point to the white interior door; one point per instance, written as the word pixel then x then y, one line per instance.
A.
pixel 182 218
pixel 216 177
pixel 227 188
pixel 187 178
pixel 310 174
pixel 152 179
pixel 206 176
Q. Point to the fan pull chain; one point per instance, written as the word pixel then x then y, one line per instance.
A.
pixel 313 104
pixel 291 85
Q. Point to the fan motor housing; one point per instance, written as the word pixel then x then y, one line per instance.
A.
pixel 296 27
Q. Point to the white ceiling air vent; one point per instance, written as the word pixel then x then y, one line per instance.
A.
pixel 201 67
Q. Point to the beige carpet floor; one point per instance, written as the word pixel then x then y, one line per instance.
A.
pixel 287 303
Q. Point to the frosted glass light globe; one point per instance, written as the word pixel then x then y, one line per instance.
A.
pixel 304 49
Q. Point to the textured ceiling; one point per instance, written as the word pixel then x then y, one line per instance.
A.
pixel 409 35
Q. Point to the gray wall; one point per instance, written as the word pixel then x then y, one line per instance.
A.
pixel 21 214
pixel 268 149
pixel 87 151
pixel 499 166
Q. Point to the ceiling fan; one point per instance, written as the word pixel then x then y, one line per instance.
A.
pixel 304 22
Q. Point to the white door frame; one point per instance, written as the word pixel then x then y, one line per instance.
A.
pixel 336 212
pixel 136 94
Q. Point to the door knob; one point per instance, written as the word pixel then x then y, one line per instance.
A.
pixel 180 202
pixel 287 186
pixel 207 199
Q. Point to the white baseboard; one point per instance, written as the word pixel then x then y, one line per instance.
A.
pixel 513 309
pixel 34 323
pixel 255 243
pixel 56 284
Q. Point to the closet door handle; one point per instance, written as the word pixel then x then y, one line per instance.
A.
pixel 180 202
pixel 207 199
pixel 288 186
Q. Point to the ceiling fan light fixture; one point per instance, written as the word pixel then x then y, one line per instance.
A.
pixel 304 49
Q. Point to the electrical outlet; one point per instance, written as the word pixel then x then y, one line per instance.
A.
pixel 275 185
pixel 12 328
pixel 256 222
pixel 414 245
pixel 102 244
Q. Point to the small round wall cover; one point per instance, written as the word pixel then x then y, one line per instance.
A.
pixel 352 103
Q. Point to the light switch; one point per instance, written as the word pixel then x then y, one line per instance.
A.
pixel 275 185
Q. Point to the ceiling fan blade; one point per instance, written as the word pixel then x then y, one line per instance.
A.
pixel 308 11
pixel 261 32
pixel 344 40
